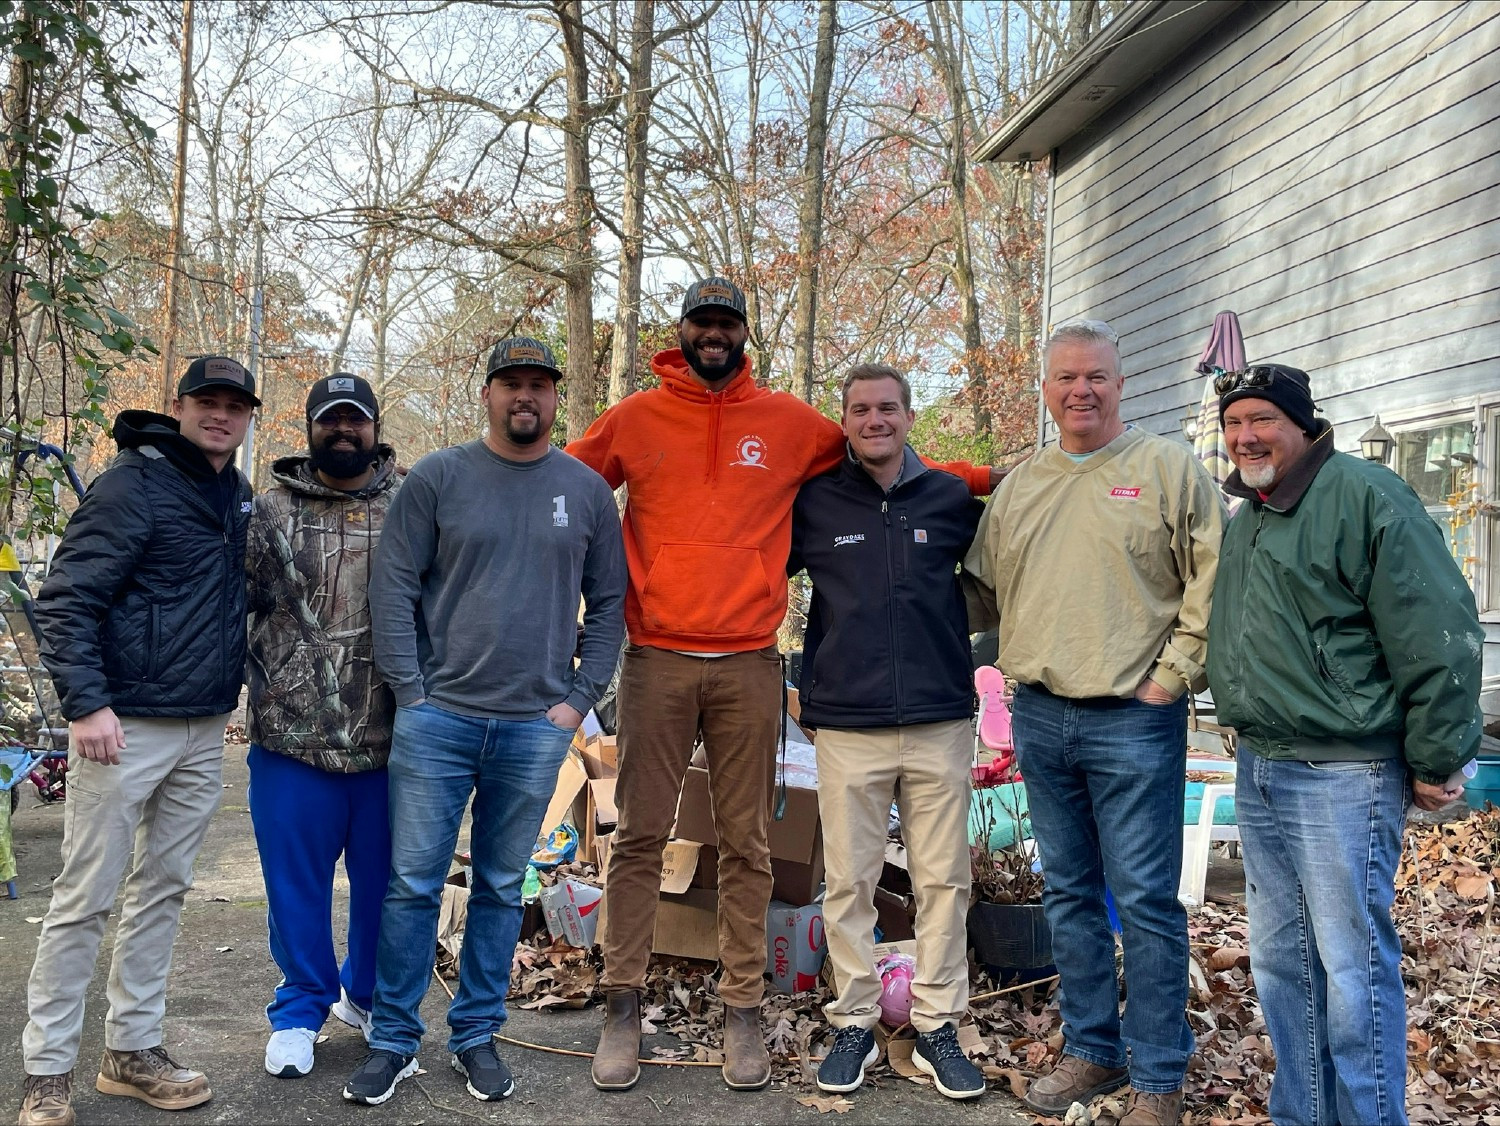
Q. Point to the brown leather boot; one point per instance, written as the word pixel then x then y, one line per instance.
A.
pixel 47 1100
pixel 617 1060
pixel 1073 1081
pixel 151 1076
pixel 747 1064
pixel 1153 1108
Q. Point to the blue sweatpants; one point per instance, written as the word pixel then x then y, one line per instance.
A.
pixel 304 819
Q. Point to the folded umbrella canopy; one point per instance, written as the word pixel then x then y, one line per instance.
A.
pixel 1225 352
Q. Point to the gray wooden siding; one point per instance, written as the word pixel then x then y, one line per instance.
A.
pixel 1327 171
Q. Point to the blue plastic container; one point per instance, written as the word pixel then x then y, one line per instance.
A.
pixel 1485 785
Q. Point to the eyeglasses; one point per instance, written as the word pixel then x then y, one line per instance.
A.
pixel 1097 328
pixel 351 420
pixel 1258 376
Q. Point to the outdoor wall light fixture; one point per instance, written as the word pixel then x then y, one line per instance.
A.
pixel 1190 425
pixel 1375 443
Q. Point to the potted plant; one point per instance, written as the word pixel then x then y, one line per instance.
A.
pixel 1007 928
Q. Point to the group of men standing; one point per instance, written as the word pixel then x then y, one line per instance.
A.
pixel 413 646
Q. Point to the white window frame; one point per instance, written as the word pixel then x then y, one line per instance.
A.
pixel 1483 414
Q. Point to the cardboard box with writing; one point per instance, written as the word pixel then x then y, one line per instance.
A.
pixel 572 912
pixel 795 946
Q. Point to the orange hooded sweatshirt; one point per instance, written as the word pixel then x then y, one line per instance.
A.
pixel 708 522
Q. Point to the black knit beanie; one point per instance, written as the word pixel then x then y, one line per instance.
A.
pixel 1289 389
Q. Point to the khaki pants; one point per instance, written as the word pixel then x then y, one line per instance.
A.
pixel 155 804
pixel 925 768
pixel 666 699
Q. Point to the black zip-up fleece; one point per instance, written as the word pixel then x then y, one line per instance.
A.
pixel 887 640
pixel 144 608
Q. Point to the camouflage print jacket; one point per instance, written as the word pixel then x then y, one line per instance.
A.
pixel 314 691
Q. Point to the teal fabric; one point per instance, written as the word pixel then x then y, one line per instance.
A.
pixel 1002 812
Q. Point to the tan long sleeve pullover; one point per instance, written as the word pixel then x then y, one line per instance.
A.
pixel 1101 571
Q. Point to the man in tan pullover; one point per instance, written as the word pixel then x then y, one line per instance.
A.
pixel 1099 555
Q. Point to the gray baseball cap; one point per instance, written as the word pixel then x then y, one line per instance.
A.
pixel 720 293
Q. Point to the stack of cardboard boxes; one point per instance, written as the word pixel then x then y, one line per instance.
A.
pixel 687 913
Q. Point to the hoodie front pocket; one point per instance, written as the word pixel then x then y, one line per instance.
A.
pixel 706 590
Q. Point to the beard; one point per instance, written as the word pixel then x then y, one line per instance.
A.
pixel 527 432
pixel 1261 477
pixel 712 372
pixel 343 464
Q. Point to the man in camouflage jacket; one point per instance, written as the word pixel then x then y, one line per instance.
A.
pixel 320 715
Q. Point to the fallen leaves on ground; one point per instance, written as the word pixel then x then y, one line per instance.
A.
pixel 1450 935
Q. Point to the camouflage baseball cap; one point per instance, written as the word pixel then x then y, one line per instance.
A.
pixel 715 292
pixel 522 351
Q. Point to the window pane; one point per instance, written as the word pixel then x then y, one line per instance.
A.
pixel 1426 459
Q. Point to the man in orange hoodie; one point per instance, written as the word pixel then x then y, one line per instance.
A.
pixel 713 463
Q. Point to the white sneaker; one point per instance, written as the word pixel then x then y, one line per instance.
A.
pixel 289 1052
pixel 351 1014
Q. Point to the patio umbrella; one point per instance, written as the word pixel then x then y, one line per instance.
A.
pixel 1225 352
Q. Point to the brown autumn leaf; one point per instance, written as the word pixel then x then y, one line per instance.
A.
pixel 824 1103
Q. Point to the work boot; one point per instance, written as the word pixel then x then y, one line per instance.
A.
pixel 617 1061
pixel 1153 1108
pixel 747 1064
pixel 151 1076
pixel 47 1100
pixel 1073 1081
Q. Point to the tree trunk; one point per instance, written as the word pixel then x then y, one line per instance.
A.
pixel 638 96
pixel 578 264
pixel 810 213
pixel 945 49
pixel 179 197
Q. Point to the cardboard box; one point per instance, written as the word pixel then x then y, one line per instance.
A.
pixel 895 915
pixel 679 864
pixel 600 815
pixel 687 925
pixel 601 757
pixel 796 840
pixel 569 801
pixel 795 946
pixel 600 853
pixel 572 912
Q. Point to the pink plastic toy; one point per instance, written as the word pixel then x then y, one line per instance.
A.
pixel 895 988
pixel 993 728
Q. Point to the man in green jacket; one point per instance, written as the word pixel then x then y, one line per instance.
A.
pixel 1344 647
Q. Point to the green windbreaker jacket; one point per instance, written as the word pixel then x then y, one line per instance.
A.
pixel 1342 627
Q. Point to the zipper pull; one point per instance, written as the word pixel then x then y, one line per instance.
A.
pixel 903 523
pixel 885 512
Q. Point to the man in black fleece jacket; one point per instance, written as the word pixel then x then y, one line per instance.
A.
pixel 142 622
pixel 886 682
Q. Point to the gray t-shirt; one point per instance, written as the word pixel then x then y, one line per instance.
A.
pixel 475 588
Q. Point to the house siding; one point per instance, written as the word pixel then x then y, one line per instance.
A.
pixel 1329 171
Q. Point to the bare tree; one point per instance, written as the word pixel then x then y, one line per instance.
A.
pixel 810 214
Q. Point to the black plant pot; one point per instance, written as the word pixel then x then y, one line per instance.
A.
pixel 1010 936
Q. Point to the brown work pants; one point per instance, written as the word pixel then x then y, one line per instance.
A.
pixel 666 700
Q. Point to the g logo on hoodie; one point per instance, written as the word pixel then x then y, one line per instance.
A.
pixel 751 451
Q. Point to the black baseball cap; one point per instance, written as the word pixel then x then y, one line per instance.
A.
pixel 717 293
pixel 519 352
pixel 342 387
pixel 216 371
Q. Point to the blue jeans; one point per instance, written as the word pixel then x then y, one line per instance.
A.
pixel 1321 845
pixel 304 820
pixel 1105 779
pixel 438 759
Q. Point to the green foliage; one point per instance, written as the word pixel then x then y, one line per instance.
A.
pixel 50 274
pixel 943 432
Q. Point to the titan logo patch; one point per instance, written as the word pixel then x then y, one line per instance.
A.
pixel 1124 492
pixel 845 541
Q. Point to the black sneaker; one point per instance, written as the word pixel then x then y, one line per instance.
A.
pixel 375 1079
pixel 843 1069
pixel 938 1054
pixel 488 1077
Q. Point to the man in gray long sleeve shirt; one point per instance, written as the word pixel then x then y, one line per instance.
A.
pixel 474 599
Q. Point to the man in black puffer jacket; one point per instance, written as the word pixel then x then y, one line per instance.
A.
pixel 142 623
pixel 886 682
